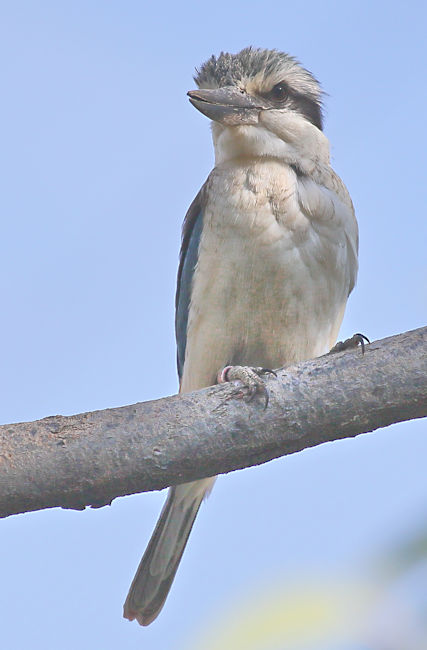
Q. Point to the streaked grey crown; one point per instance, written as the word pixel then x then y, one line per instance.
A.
pixel 257 71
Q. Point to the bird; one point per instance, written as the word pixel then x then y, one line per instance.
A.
pixel 269 256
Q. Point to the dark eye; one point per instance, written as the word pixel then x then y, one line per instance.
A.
pixel 279 91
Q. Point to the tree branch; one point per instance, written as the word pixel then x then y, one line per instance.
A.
pixel 91 458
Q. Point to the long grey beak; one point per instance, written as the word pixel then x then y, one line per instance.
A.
pixel 226 105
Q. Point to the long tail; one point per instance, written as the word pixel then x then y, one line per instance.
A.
pixel 156 571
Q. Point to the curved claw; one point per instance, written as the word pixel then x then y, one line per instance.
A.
pixel 266 397
pixel 268 371
pixel 253 390
pixel 361 338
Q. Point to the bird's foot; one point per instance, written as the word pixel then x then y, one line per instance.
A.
pixel 352 342
pixel 251 379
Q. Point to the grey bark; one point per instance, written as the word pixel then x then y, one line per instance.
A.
pixel 91 458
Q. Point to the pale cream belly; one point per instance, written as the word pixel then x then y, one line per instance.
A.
pixel 259 310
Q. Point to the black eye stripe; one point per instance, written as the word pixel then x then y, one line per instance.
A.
pixel 282 95
pixel 309 108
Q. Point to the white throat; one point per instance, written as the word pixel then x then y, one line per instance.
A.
pixel 287 137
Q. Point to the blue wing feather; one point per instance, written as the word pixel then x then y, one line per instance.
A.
pixel 192 231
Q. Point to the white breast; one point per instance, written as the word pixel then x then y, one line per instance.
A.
pixel 277 260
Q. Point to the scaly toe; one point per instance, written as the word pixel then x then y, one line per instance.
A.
pixel 251 379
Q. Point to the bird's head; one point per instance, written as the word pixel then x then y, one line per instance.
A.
pixel 261 103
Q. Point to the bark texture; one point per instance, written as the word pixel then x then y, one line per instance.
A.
pixel 91 458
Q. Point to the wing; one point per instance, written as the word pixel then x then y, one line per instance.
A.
pixel 191 234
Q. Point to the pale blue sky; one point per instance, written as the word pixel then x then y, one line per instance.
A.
pixel 101 154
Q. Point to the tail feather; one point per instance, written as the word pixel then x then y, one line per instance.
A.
pixel 157 569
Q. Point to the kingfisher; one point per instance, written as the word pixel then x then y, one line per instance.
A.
pixel 268 260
